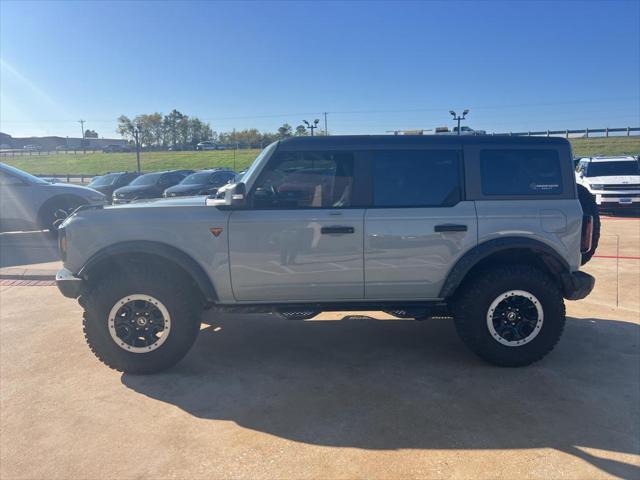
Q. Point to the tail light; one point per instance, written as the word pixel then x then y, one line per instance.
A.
pixel 587 234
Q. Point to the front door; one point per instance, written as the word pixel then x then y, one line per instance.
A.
pixel 418 225
pixel 300 238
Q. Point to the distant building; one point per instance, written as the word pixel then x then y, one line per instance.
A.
pixel 51 143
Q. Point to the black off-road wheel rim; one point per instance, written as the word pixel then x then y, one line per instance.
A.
pixel 515 318
pixel 139 323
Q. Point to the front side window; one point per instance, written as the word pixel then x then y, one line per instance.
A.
pixel 306 180
pixel 520 172
pixel 104 180
pixel 198 178
pixel 147 179
pixel 416 178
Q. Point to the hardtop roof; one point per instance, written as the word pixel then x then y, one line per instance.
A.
pixel 426 140
pixel 621 158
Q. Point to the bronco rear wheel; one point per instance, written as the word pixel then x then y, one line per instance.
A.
pixel 511 315
pixel 140 321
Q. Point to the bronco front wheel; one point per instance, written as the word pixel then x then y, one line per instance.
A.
pixel 140 321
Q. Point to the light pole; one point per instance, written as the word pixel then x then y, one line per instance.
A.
pixel 136 136
pixel 81 122
pixel 312 127
pixel 458 118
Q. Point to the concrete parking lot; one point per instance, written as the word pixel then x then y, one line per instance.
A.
pixel 263 397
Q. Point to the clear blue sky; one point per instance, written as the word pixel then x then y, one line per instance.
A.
pixel 373 66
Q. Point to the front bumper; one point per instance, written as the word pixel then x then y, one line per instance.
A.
pixel 577 285
pixel 69 285
pixel 617 199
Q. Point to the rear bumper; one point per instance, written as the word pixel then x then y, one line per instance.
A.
pixel 69 285
pixel 577 285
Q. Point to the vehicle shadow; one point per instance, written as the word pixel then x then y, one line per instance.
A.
pixel 27 248
pixel 397 384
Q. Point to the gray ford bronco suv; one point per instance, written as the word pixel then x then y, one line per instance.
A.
pixel 488 230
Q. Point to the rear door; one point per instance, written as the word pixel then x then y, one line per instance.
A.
pixel 419 223
pixel 526 190
pixel 301 236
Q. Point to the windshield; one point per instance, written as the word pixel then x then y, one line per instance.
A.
pixel 264 153
pixel 27 177
pixel 148 179
pixel 197 178
pixel 607 169
pixel 104 180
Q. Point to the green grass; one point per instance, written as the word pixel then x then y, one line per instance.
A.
pixel 584 147
pixel 98 163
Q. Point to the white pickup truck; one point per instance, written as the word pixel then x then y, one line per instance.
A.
pixel 613 181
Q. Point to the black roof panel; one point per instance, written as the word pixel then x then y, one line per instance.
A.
pixel 336 141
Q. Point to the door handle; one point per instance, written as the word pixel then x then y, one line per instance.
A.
pixel 336 229
pixel 450 228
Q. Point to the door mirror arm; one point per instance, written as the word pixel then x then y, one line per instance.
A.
pixel 236 196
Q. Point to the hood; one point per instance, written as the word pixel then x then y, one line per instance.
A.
pixel 163 202
pixel 132 190
pixel 614 179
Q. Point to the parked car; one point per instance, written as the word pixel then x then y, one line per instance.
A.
pixel 109 182
pixel 28 202
pixel 149 185
pixel 32 148
pixel 51 179
pixel 204 182
pixel 468 131
pixel 116 149
pixel 206 145
pixel 222 191
pixel 614 182
pixel 489 230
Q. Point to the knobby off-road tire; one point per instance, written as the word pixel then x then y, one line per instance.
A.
pixel 124 296
pixel 589 207
pixel 478 305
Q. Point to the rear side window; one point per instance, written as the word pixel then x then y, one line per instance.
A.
pixel 416 178
pixel 520 172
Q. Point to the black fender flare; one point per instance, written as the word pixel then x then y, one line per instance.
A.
pixel 162 250
pixel 478 253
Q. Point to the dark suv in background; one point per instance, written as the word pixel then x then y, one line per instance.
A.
pixel 204 182
pixel 150 185
pixel 109 182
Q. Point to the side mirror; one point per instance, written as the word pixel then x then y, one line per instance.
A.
pixel 236 196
